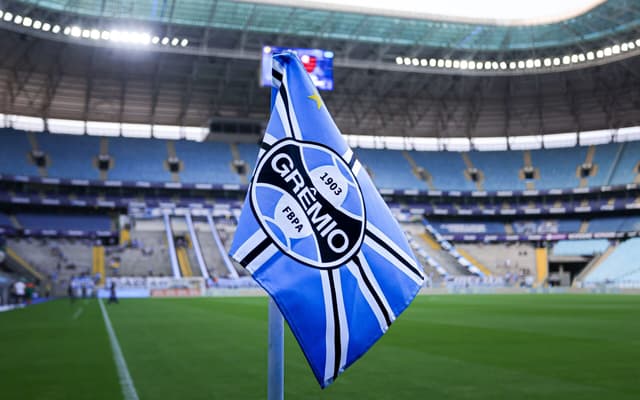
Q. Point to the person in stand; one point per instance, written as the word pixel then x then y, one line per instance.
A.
pixel 112 293
pixel 19 289
pixel 71 289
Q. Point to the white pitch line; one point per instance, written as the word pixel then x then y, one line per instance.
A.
pixel 78 313
pixel 128 389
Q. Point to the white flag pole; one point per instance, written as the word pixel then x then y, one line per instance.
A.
pixel 275 388
pixel 275 385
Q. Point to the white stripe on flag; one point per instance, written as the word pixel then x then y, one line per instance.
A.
pixel 348 155
pixel 342 317
pixel 330 355
pixel 249 245
pixel 392 259
pixel 282 113
pixel 292 112
pixel 391 244
pixel 356 168
pixel 262 258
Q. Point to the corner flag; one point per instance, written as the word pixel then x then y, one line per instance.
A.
pixel 317 236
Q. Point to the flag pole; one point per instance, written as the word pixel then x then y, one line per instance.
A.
pixel 276 353
pixel 275 384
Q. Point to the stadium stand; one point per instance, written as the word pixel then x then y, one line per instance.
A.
pixel 603 160
pixel 145 157
pixel 580 247
pixel 446 169
pixel 207 162
pixel 464 227
pixel 4 220
pixel 14 153
pixel 615 224
pixel 624 169
pixel 249 154
pixel 558 167
pixel 622 265
pixel 514 259
pixel 390 169
pixel 65 222
pixel 500 169
pixel 70 156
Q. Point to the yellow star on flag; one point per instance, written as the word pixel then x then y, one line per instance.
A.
pixel 316 97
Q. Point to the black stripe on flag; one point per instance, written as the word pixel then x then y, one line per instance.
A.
pixel 352 162
pixel 262 246
pixel 336 323
pixel 276 75
pixel 285 100
pixel 391 251
pixel 374 293
pixel 265 146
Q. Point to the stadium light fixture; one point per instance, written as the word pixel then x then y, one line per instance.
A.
pixel 8 16
pixel 175 41
pixel 447 63
pixel 55 29
pixel 566 60
pixel 1 13
pixel 17 19
pixel 432 62
pixel 37 24
pixel 487 65
pixel 590 55
pixel 529 63
pixel 503 65
pixel 574 58
pixel 637 42
pixel 86 33
pixel 456 64
pixel 46 27
pixel 615 49
pixel 27 22
pixel 67 30
pixel 156 40
pixel 607 51
pixel 547 62
pixel 440 63
pixel 631 45
pixel 556 61
pixel 521 64
pixel 424 62
pixel 76 31
pixel 407 60
pixel 105 35
pixel 479 65
pixel 624 47
pixel 599 53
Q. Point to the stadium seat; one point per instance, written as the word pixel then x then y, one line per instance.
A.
pixel 620 266
pixel 206 162
pixel 14 153
pixel 390 169
pixel 70 156
pixel 580 247
pixel 138 160
pixel 64 222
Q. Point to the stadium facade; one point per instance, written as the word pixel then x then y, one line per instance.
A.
pixel 509 153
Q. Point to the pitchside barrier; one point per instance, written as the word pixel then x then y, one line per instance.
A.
pixel 137 287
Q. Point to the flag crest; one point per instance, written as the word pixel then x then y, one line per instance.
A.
pixel 317 236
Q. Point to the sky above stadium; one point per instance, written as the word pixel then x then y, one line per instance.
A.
pixel 501 12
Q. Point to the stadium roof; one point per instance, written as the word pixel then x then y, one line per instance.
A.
pixel 608 19
pixel 386 83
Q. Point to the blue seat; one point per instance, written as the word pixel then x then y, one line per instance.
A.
pixel 249 153
pixel 14 153
pixel 558 167
pixel 580 247
pixel 390 169
pixel 64 221
pixel 206 162
pixel 70 156
pixel 622 265
pixel 138 160
pixel 624 172
pixel 446 169
pixel 501 169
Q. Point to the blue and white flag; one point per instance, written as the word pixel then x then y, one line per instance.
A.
pixel 316 234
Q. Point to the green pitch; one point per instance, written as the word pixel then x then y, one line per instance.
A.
pixel 443 347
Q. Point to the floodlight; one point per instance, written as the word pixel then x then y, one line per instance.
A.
pixel 398 59
pixel 37 24
pixel 547 62
pixel 75 31
pixel 615 49
pixel 423 62
pixel 8 16
pixel 600 54
pixel 17 19
pixel 27 22
pixel 86 33
pixel 590 55
pixel 175 41
pixel 46 27
pixel 56 29
pixel 156 40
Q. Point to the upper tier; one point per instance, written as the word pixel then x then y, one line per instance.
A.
pixel 75 157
